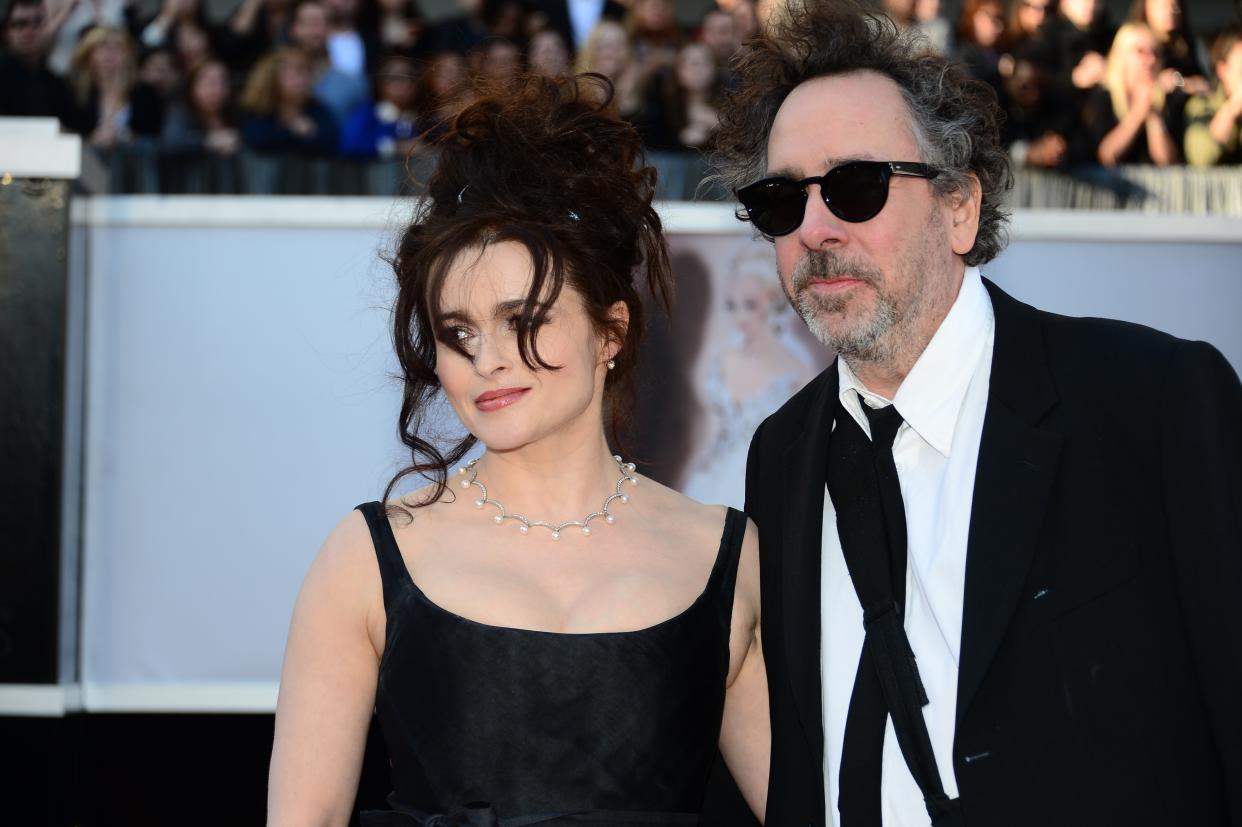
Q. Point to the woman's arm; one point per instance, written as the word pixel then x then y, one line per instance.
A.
pixel 746 731
pixel 327 685
pixel 1118 140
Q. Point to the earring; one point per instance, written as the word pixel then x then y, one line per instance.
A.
pixel 611 364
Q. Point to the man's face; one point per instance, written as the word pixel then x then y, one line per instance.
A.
pixel 310 27
pixel 879 287
pixel 22 34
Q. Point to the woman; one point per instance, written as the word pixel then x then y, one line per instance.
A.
pixel 1178 51
pixel 979 31
pixel 1126 118
pixel 387 126
pixel 115 108
pixel 607 51
pixel 762 366
pixel 556 669
pixel 281 115
pixel 205 124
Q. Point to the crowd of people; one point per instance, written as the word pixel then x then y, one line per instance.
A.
pixel 375 79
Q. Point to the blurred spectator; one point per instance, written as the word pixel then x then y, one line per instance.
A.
pixel 574 20
pixel 116 108
pixel 500 63
pixel 340 91
pixel 26 85
pixel 1213 121
pixel 745 17
pixel 281 115
pixel 548 54
pixel 205 123
pixel 1127 118
pixel 506 19
pixel 443 88
pixel 161 31
pixel 607 51
pixel 463 32
pixel 1171 24
pixel 68 20
pixel 1038 130
pixel 718 31
pixel 192 44
pixel 654 38
pixel 699 90
pixel 1025 34
pixel 1079 37
pixel 979 32
pixel 386 126
pixel 398 26
pixel 902 11
pixel 937 30
pixel 256 28
pixel 346 46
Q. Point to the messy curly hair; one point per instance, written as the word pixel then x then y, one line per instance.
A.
pixel 954 118
pixel 548 164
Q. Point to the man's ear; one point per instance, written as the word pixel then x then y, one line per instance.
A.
pixel 619 314
pixel 964 216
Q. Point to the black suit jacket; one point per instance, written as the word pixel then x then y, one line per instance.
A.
pixel 1101 657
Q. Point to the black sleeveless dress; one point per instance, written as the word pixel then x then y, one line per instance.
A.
pixel 488 725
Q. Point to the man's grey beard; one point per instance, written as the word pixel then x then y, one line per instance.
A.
pixel 865 342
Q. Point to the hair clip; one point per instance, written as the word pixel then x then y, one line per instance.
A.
pixel 463 192
pixel 573 216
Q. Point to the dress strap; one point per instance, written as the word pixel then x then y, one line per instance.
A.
pixel 724 574
pixel 393 572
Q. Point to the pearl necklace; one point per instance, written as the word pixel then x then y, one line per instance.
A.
pixel 525 524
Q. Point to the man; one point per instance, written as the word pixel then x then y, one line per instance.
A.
pixel 27 88
pixel 1026 610
pixel 1214 122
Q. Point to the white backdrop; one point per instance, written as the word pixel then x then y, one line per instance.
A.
pixel 241 400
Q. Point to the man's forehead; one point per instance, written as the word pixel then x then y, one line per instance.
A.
pixel 827 121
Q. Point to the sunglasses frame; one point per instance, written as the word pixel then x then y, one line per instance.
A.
pixel 887 169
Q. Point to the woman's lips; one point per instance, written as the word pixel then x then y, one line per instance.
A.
pixel 497 399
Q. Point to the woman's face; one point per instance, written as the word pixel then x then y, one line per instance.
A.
pixel 109 56
pixel 495 395
pixel 446 76
pixel 192 44
pixel 396 8
pixel 1079 12
pixel 293 82
pixel 397 85
pixel 1164 15
pixel 211 88
pixel 1141 59
pixel 696 70
pixel 612 50
pixel 749 303
pixel 160 70
pixel 654 15
pixel 988 24
pixel 548 55
pixel 1032 14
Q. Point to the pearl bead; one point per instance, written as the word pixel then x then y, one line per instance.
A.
pixel 629 466
pixel 633 480
pixel 465 483
pixel 610 519
pixel 616 458
pixel 586 531
pixel 524 528
pixel 556 535
pixel 625 498
pixel 498 519
pixel 462 471
pixel 478 503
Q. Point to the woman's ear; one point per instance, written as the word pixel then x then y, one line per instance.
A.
pixel 619 315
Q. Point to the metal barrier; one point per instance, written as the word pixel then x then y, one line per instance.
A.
pixel 145 169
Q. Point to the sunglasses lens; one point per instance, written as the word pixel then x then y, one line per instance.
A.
pixel 775 207
pixel 856 191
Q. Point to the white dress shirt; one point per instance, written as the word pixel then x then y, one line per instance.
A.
pixel 942 401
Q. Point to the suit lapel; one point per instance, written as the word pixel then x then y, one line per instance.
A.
pixel 1013 480
pixel 802 467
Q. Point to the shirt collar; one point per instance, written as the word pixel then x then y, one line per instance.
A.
pixel 931 396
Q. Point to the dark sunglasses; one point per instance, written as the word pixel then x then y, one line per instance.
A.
pixel 854 192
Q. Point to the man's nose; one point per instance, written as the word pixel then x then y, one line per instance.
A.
pixel 819 227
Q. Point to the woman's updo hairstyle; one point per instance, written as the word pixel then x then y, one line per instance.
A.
pixel 546 163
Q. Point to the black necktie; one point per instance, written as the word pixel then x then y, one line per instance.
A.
pixel 871 524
